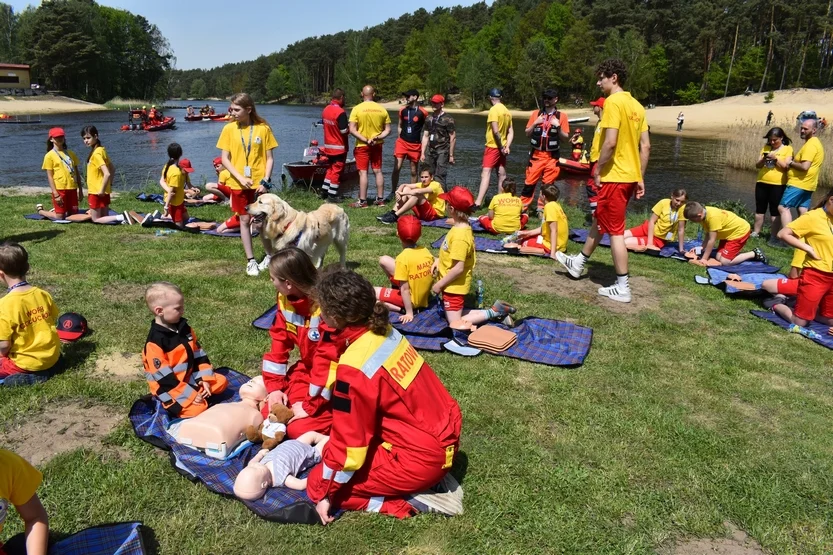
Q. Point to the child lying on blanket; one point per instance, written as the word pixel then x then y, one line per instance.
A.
pixel 280 466
pixel 410 274
pixel 505 211
pixel 667 222
pixel 725 228
pixel 19 482
pixel 554 225
pixel 423 198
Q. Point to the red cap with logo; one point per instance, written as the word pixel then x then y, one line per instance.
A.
pixel 459 198
pixel 437 99
pixel 56 132
pixel 600 102
pixel 185 165
pixel 409 229
pixel 218 161
pixel 71 327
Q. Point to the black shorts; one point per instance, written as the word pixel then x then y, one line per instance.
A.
pixel 767 196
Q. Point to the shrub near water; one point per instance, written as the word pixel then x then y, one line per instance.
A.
pixel 118 103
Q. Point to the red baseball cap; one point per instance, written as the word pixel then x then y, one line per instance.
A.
pixel 56 132
pixel 185 165
pixel 409 228
pixel 437 99
pixel 600 102
pixel 459 198
pixel 218 161
pixel 71 327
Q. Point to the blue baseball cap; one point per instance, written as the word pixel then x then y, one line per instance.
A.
pixel 496 93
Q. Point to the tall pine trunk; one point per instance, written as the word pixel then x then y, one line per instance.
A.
pixel 732 62
pixel 769 54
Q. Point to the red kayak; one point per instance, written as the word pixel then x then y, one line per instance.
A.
pixel 571 166
pixel 137 123
pixel 166 123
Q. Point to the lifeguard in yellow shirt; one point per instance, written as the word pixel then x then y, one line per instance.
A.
pixel 802 173
pixel 369 123
pixel 499 136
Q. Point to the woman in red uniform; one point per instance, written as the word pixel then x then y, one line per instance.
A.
pixel 304 385
pixel 395 428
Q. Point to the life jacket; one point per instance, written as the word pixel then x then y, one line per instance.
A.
pixel 545 137
pixel 335 142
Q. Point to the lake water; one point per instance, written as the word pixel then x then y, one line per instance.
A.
pixel 676 161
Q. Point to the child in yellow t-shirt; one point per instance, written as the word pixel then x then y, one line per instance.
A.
pixel 423 198
pixel 100 171
pixel 410 274
pixel 219 191
pixel 666 223
pixel 456 265
pixel 61 165
pixel 173 183
pixel 505 211
pixel 19 482
pixel 29 343
pixel 554 227
pixel 725 229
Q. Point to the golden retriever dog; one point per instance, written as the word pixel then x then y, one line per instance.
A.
pixel 313 232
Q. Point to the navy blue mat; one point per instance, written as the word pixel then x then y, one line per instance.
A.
pixel 824 339
pixel 717 276
pixel 158 198
pixel 749 267
pixel 233 233
pixel 484 244
pixel 579 235
pixel 443 223
pixel 38 217
pixel 123 538
pixel 150 422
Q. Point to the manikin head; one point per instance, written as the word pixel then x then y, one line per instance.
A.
pixel 253 481
pixel 253 390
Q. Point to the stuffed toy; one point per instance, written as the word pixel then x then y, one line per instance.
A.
pixel 273 429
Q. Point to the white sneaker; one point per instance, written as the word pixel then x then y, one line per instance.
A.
pixel 252 268
pixel 38 207
pixel 264 264
pixel 616 293
pixel 570 263
pixel 127 218
pixel 445 498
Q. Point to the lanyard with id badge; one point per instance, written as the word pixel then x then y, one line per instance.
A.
pixel 247 169
pixel 67 162
pixel 434 121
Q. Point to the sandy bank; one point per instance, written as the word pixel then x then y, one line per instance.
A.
pixel 46 104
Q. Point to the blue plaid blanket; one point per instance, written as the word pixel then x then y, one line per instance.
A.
pixel 150 422
pixel 821 329
pixel 40 218
pixel 718 276
pixel 579 235
pixel 484 244
pixel 156 197
pixel 443 223
pixel 123 538
pixel 668 251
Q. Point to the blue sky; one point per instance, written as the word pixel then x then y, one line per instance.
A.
pixel 202 32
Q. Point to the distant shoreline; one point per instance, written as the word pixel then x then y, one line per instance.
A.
pixel 46 104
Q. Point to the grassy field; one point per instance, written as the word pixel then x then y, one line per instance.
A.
pixel 688 417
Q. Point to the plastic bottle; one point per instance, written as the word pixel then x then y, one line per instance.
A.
pixel 161 232
pixel 806 332
pixel 481 293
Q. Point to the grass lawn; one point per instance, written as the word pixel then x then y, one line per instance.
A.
pixel 687 415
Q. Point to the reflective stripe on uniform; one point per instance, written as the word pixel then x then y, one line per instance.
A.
pixel 275 368
pixel 374 505
pixel 343 476
pixel 292 317
pixel 315 321
pixel 386 349
pixel 161 373
pixel 182 367
pixel 314 390
pixel 202 374
pixel 199 354
pixel 326 471
pixel 165 398
pixel 327 394
pixel 184 398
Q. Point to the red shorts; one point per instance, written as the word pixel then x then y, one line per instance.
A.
pixel 787 286
pixel 536 242
pixel 640 233
pixel 592 190
pixel 729 249
pixel 542 166
pixel 70 202
pixel 453 302
pixel 240 199
pixel 335 170
pixel 368 157
pixel 8 367
pixel 425 212
pixel 486 222
pixel 98 201
pixel 404 149
pixel 392 296
pixel 493 158
pixel 177 213
pixel 225 189
pixel 815 293
pixel 612 205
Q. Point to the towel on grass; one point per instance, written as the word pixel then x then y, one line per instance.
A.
pixel 150 422
pixel 821 329
pixel 39 217
pixel 484 244
pixel 719 276
pixel 159 198
pixel 443 223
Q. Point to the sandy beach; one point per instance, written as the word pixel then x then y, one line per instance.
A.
pixel 46 104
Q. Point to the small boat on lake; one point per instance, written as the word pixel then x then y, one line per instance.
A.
pixel 6 118
pixel 311 170
pixel 574 167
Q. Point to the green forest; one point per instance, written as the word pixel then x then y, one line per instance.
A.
pixel 87 51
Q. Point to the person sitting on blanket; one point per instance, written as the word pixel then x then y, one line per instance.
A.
pixel 305 386
pixel 553 225
pixel 729 229
pixel 177 368
pixel 410 274
pixel 784 290
pixel 423 198
pixel 505 209
pixel 219 192
pixel 455 266
pixel 667 222
pixel 19 482
pixel 396 429
pixel 29 345
pixel 814 298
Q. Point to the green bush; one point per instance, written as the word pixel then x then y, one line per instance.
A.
pixel 736 206
pixel 770 96
pixel 690 94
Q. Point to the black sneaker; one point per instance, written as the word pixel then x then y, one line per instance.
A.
pixel 759 255
pixel 379 202
pixel 334 199
pixel 388 217
pixel 323 193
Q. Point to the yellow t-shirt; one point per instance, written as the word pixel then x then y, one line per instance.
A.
pixel 626 114
pixel 775 176
pixel 62 166
pixel 19 481
pixel 799 256
pixel 458 245
pixel 596 147
pixel 414 266
pixel 433 197
pixel 233 138
pixel 224 177
pixel 809 180
pixel 578 143
pixel 370 119
pixel 175 180
pixel 554 213
pixel 728 226
pixel 507 209
pixel 666 226
pixel 27 322
pixel 816 229
pixel 499 113
pixel 95 177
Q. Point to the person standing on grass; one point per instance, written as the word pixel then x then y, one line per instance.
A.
pixel 61 167
pixel 772 176
pixel 336 143
pixel 438 141
pixel 369 124
pixel 499 136
pixel 247 144
pixel 100 172
pixel 409 143
pixel 802 173
pixel 623 159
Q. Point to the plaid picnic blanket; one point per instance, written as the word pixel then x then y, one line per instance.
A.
pixel 38 217
pixel 718 276
pixel 668 251
pixel 484 244
pixel 150 422
pixel 156 197
pixel 443 223
pixel 824 339
pixel 120 538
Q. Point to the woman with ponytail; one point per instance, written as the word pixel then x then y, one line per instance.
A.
pixel 395 428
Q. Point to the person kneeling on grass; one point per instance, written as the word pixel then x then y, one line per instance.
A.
pixel 667 223
pixel 554 225
pixel 410 274
pixel 422 198
pixel 505 211
pixel 730 230
pixel 19 482
pixel 456 266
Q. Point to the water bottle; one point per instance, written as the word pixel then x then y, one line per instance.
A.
pixel 481 292
pixel 165 231
pixel 510 238
pixel 806 332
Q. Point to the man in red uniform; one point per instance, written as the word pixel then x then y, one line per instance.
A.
pixel 336 143
pixel 409 143
pixel 545 129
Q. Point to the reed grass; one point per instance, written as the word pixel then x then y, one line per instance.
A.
pixel 119 103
